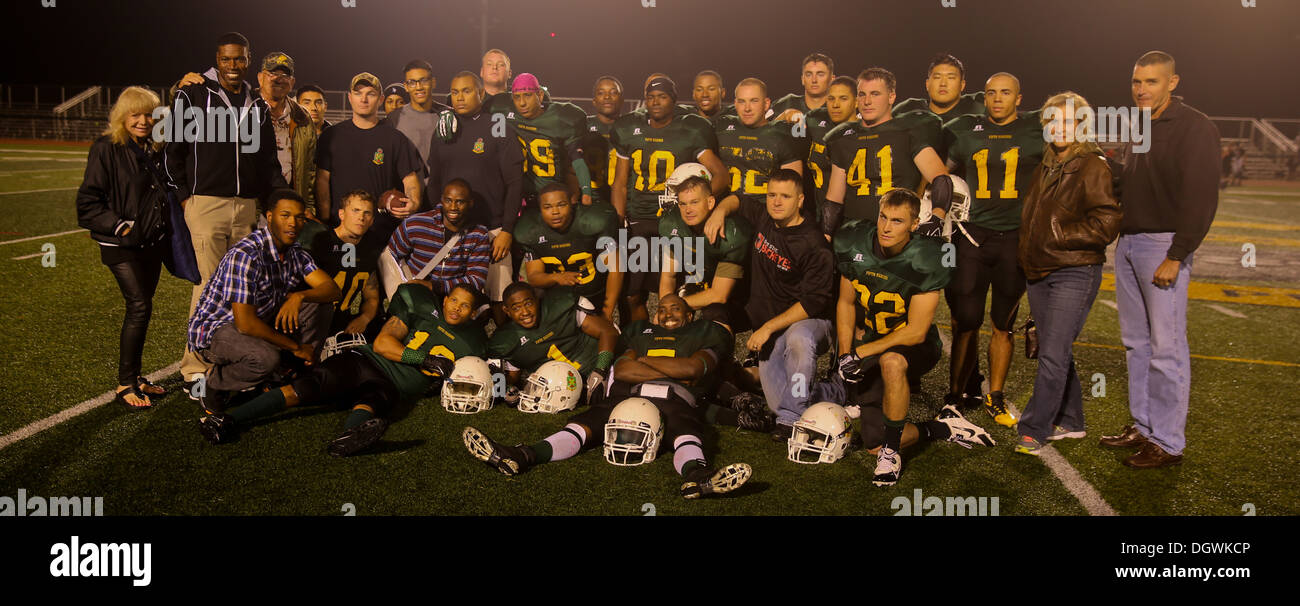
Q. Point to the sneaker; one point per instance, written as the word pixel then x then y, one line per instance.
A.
pixel 996 406
pixel 853 410
pixel 974 395
pixel 214 401
pixel 1061 433
pixel 1028 445
pixel 949 410
pixel 889 465
pixel 217 428
pixel 510 460
pixel 782 432
pixel 703 481
pixel 954 401
pixel 358 438
pixel 962 431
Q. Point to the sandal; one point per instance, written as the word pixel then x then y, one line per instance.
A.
pixel 133 390
pixel 148 388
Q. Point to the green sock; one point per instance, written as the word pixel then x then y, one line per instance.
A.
pixel 894 433
pixel 542 450
pixel 264 405
pixel 357 417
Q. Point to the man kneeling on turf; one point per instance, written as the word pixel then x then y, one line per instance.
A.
pixel 671 363
pixel 890 280
pixel 417 347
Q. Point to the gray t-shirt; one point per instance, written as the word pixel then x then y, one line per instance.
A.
pixel 419 127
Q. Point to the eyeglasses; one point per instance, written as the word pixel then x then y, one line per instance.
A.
pixel 277 75
pixel 420 82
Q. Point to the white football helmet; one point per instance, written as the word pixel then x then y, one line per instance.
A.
pixel 340 342
pixel 958 208
pixel 469 388
pixel 668 199
pixel 633 432
pixel 555 387
pixel 821 435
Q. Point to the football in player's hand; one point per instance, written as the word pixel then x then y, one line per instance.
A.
pixel 392 198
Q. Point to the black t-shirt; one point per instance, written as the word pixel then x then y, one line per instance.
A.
pixel 788 265
pixel 373 159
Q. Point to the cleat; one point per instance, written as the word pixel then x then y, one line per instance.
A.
pixel 217 428
pixel 963 432
pixel 996 406
pixel 948 411
pixel 510 460
pixel 889 465
pixel 955 401
pixel 358 438
pixel 1029 446
pixel 1061 433
pixel 704 481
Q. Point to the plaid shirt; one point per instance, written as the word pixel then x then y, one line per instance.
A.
pixel 422 235
pixel 252 272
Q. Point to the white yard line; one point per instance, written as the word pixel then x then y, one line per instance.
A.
pixel 62 233
pixel 1079 487
pixel 1110 304
pixel 1225 311
pixel 10 173
pixel 40 151
pixel 31 256
pixel 36 191
pixel 63 415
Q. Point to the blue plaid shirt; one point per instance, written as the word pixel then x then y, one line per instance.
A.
pixel 252 272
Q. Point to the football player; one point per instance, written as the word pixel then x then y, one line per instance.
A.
pixel 560 326
pixel 945 80
pixel 996 153
pixel 841 106
pixel 550 135
pixel 672 363
pixel 418 345
pixel 817 72
pixel 709 94
pixel 607 98
pixel 714 284
pixel 349 254
pixel 649 147
pixel 558 245
pixel 879 152
pixel 752 148
pixel 495 73
pixel 889 288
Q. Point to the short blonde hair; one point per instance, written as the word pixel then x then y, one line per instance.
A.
pixel 1060 101
pixel 133 100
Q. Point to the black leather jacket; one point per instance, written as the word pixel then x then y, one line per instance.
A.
pixel 117 189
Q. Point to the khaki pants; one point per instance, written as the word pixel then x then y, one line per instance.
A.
pixel 215 224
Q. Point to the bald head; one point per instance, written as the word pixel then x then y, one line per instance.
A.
pixel 1002 97
pixel 673 312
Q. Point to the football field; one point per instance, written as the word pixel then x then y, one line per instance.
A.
pixel 58 351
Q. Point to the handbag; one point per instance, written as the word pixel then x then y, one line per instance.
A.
pixel 181 262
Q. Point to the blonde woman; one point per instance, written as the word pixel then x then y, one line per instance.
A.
pixel 1070 215
pixel 122 203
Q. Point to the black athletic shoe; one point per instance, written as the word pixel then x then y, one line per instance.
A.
pixel 781 433
pixel 703 481
pixel 214 401
pixel 358 438
pixel 217 428
pixel 510 460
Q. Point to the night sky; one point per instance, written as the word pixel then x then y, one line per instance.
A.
pixel 1233 60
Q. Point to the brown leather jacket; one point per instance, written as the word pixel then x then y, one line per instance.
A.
pixel 1070 213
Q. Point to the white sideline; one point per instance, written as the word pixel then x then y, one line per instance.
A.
pixel 68 413
pixel 1079 487
pixel 31 256
pixel 40 151
pixel 1225 311
pixel 62 233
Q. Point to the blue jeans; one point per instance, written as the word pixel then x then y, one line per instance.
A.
pixel 1153 327
pixel 789 372
pixel 1059 304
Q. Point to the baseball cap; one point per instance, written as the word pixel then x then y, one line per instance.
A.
pixel 397 89
pixel 525 82
pixel 367 79
pixel 278 60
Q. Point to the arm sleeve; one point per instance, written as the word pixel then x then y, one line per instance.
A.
pixel 93 210
pixel 240 277
pixel 267 156
pixel 1198 192
pixel 476 264
pixel 1101 213
pixel 928 133
pixel 399 244
pixel 817 287
pixel 323 158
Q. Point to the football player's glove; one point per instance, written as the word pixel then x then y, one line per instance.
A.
pixel 448 125
pixel 853 369
pixel 932 227
pixel 437 366
pixel 340 342
pixel 595 384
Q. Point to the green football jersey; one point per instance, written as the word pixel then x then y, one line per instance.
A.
pixel 886 286
pixel 969 103
pixel 573 250
pixel 362 265
pixel 600 157
pixel 997 162
pixel 557 336
pixel 817 164
pixel 728 257
pixel 879 158
pixel 654 153
pixel 724 111
pixel 653 340
pixel 752 154
pixel 549 142
pixel 792 101
pixel 427 332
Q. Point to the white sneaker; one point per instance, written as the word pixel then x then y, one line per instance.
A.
pixel 963 432
pixel 889 464
pixel 1061 433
